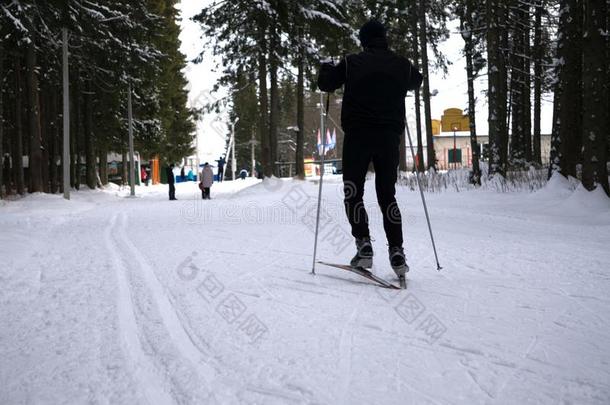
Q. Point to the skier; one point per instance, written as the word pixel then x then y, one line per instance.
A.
pixel 207 179
pixel 171 180
pixel 243 174
pixel 376 82
pixel 221 168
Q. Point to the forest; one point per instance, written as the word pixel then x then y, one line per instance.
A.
pixel 113 46
pixel 269 53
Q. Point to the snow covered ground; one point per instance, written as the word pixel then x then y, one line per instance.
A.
pixel 110 299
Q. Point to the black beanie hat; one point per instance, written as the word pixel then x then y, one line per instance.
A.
pixel 371 31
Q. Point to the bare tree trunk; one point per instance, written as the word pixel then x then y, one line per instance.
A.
pixel 46 126
pixel 76 134
pixel 502 14
pixel 426 95
pixel 299 158
pixel 53 142
pixel 1 120
pixel 595 87
pixel 103 158
pixel 420 145
pixel 468 26
pixel 18 144
pixel 554 161
pixel 35 161
pixel 494 91
pixel 517 82
pixel 124 167
pixel 274 99
pixel 90 163
pixel 264 109
pixel 527 86
pixel 569 50
pixel 538 72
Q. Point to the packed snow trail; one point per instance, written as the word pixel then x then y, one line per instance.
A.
pixel 141 300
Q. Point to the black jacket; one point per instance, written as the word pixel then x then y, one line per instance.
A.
pixel 376 84
pixel 170 175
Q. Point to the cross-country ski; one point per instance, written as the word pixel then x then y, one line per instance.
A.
pixel 364 273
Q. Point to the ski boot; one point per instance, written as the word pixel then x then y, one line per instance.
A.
pixel 399 264
pixel 364 253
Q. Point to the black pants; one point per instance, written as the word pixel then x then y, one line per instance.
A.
pixel 359 150
pixel 172 191
pixel 205 193
pixel 221 172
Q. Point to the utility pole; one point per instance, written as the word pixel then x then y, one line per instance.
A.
pixel 233 162
pixel 132 180
pixel 66 114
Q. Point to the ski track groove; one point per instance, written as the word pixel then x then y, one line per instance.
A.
pixel 175 327
pixel 142 368
pixel 345 350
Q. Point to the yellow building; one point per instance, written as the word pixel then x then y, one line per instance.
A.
pixel 436 127
pixel 454 119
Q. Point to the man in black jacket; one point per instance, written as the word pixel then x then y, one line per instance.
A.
pixel 171 180
pixel 376 82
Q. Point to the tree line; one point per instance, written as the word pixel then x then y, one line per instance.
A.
pixel 270 53
pixel 528 49
pixel 113 45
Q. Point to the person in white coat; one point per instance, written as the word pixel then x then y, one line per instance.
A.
pixel 207 179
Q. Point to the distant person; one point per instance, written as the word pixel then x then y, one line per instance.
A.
pixel 243 174
pixel 259 170
pixel 142 174
pixel 207 179
pixel 190 176
pixel 171 180
pixel 221 168
pixel 182 175
pixel 147 175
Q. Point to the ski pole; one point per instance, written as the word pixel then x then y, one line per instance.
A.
pixel 423 199
pixel 322 137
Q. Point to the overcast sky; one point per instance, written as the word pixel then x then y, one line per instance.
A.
pixel 211 130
